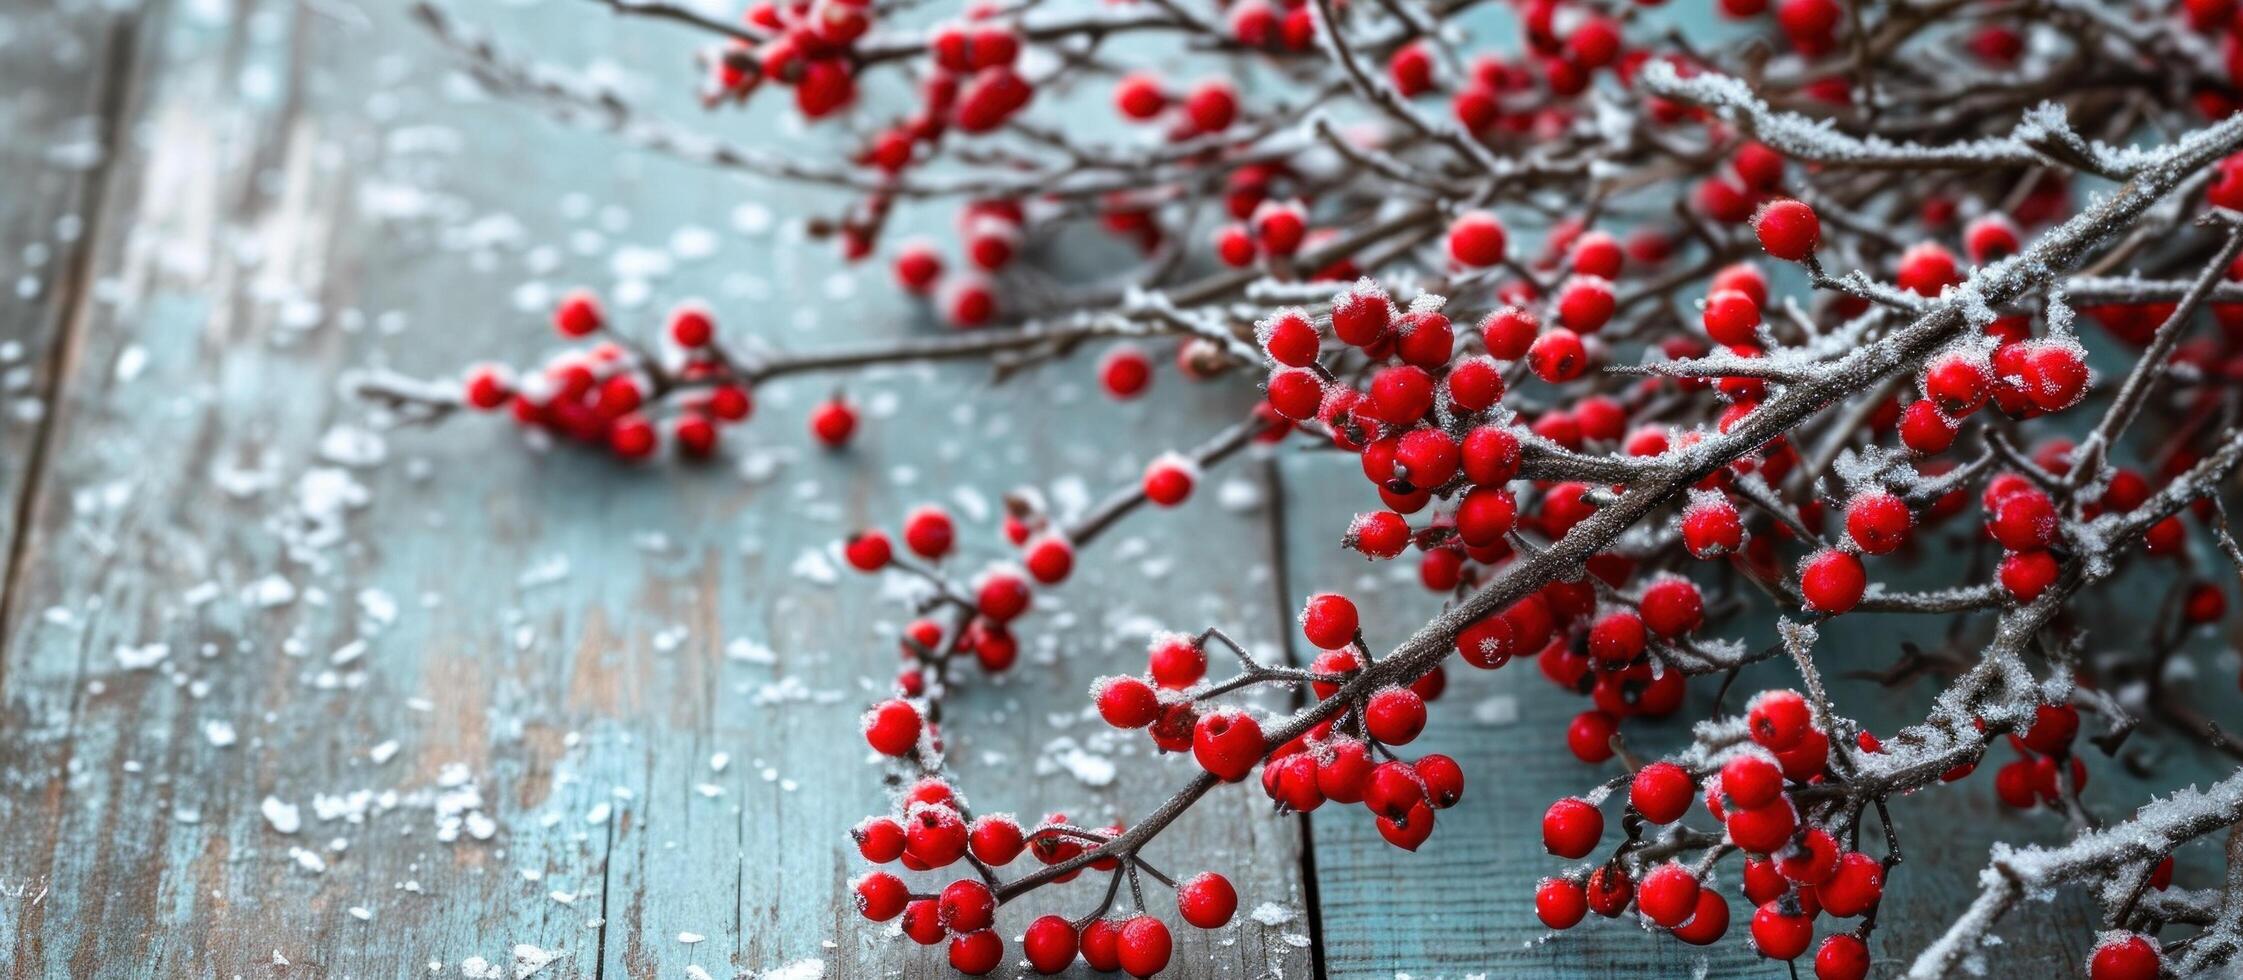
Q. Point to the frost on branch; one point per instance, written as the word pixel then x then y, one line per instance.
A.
pixel 1540 286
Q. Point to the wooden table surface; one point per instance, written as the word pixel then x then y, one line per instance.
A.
pixel 285 695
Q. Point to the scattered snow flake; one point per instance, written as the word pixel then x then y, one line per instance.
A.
pixel 141 657
pixel 545 572
pixel 797 970
pixel 749 651
pixel 308 860
pixel 218 732
pixel 362 913
pixel 1272 914
pixel 383 752
pixel 813 566
pixel 270 592
pixel 285 818
pixel 529 959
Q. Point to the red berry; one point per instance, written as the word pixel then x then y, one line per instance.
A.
pixel 892 727
pixel 1708 922
pixel 1485 515
pixel 1751 781
pixel 1711 527
pixel 1329 621
pixel 967 905
pixel 1788 229
pixel 1925 429
pixel 632 437
pixel 934 835
pixel 1778 720
pixel 879 839
pixel 917 267
pixel 1476 239
pixel 976 953
pixel 1139 96
pixel 1394 715
pixel 1490 456
pixel 1280 227
pixel 691 327
pixel 881 896
pixel 927 532
pixel 1049 944
pixel 1127 702
pixel 1668 894
pixel 2026 574
pixel 1732 318
pixel 1290 338
pixel 1176 661
pixel 2124 956
pixel 1672 606
pixel 1764 830
pixel 1558 356
pixel 1585 304
pixel 1854 888
pixel 2023 521
pixel 1001 595
pixel 2052 730
pixel 578 315
pixel 1560 903
pixel 1661 792
pixel 1168 480
pixel 488 386
pixel 1832 581
pixel 1610 891
pixel 1571 827
pixel 1361 317
pixel 1144 946
pixel 1589 736
pixel 1379 534
pixel 1877 521
pixel 1207 900
pixel 1049 558
pixel 1507 332
pixel 1227 743
pixel 1842 957
pixel 833 421
pixel 1125 372
pixel 1443 779
pixel 1927 268
pixel 994 839
pixel 1401 395
pixel 1101 945
pixel 1617 638
pixel 1780 935
pixel 1958 384
pixel 868 551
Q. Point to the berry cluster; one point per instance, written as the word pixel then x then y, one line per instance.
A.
pixel 613 392
pixel 1574 304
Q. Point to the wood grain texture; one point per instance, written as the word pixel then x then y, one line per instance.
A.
pixel 1463 904
pixel 64 71
pixel 490 682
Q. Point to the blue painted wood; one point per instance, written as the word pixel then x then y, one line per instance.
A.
pixel 452 704
pixel 1463 904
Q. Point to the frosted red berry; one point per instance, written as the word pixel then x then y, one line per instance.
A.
pixel 1207 900
pixel 1788 229
pixel 1571 827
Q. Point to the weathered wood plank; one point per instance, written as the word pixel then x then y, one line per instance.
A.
pixel 488 682
pixel 64 70
pixel 1463 904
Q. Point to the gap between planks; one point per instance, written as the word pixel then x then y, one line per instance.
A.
pixel 1281 580
pixel 69 299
